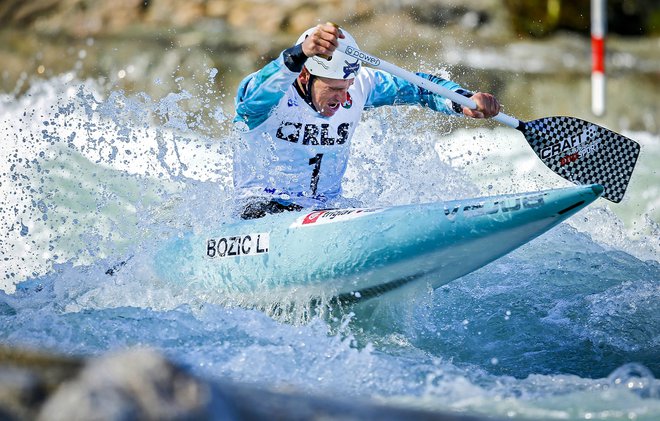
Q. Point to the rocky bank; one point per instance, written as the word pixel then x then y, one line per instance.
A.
pixel 534 54
pixel 141 384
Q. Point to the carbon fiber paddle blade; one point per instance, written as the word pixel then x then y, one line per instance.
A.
pixel 584 153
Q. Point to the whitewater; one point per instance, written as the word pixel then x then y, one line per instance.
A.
pixel 566 327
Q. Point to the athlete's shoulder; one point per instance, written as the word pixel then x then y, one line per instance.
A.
pixel 364 83
pixel 260 92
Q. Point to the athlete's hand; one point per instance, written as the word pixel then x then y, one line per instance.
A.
pixel 323 41
pixel 487 106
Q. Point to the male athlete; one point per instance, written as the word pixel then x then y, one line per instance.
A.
pixel 296 117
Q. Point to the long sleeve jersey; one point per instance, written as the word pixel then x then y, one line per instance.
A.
pixel 289 152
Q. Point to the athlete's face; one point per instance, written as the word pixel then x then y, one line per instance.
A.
pixel 329 94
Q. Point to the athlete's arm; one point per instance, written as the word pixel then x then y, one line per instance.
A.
pixel 260 92
pixel 387 89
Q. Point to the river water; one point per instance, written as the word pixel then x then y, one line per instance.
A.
pixel 566 327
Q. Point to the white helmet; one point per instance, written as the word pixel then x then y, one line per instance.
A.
pixel 340 65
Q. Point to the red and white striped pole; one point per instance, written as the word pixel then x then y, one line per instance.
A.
pixel 598 30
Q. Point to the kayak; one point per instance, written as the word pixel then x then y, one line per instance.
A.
pixel 360 253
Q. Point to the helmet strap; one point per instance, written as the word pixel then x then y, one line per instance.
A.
pixel 306 91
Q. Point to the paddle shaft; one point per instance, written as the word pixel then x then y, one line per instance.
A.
pixel 423 83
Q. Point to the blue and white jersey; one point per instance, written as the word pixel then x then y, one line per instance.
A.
pixel 291 153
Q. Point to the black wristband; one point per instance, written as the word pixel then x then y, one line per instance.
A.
pixel 294 58
pixel 458 107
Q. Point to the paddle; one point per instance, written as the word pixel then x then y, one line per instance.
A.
pixel 579 151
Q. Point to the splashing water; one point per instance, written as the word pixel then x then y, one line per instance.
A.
pixel 566 327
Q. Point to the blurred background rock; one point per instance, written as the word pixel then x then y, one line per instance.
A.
pixel 534 54
pixel 141 384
